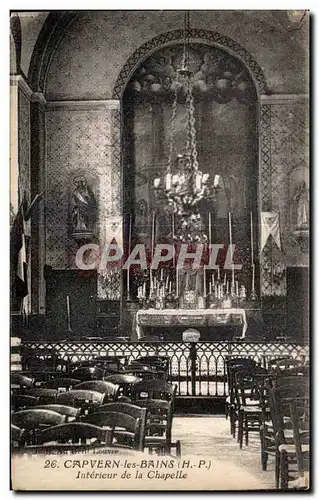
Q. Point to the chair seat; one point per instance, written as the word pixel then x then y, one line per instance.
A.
pixel 291 449
pixel 155 439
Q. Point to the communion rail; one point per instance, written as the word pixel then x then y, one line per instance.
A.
pixel 198 368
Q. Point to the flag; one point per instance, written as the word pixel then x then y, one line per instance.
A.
pixel 19 256
pixel 270 226
pixel 114 230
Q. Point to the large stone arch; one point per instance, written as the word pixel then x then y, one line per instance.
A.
pixel 206 36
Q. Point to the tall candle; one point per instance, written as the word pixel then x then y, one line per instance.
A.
pixel 210 288
pixel 225 278
pixel 213 279
pixel 153 233
pixel 210 227
pixel 204 281
pixel 218 274
pixel 130 234
pixel 237 288
pixel 231 243
pixel 68 309
pixel 252 238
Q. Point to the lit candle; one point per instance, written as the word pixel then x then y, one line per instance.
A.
pixel 168 181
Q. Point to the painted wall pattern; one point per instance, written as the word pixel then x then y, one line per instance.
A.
pixel 284 150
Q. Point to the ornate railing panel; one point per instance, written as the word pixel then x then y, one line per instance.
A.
pixel 201 373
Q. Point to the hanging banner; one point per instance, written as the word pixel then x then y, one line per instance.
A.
pixel 114 230
pixel 270 226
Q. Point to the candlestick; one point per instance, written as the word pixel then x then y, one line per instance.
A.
pixel 153 234
pixel 177 291
pixel 68 313
pixel 210 227
pixel 231 246
pixel 252 238
pixel 204 281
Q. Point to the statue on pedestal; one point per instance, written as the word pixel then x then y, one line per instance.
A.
pixel 83 207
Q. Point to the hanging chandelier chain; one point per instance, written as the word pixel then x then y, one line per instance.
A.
pixel 172 135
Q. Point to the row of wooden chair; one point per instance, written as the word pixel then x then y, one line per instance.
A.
pixel 256 398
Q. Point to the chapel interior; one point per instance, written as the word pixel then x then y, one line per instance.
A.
pixel 133 131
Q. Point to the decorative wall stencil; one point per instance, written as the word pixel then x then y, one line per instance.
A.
pixel 284 185
pixel 209 37
pixel 24 146
pixel 78 143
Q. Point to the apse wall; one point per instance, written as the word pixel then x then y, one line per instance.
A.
pixel 83 120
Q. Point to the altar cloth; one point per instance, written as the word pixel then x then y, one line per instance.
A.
pixel 190 318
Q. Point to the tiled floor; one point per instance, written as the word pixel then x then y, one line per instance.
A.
pixel 209 436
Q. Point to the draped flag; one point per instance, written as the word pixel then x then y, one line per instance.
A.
pixel 19 259
pixel 114 230
pixel 270 226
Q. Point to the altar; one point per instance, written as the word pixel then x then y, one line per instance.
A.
pixel 196 318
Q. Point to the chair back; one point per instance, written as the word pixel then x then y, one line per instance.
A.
pixel 161 362
pixel 69 411
pixel 129 409
pixel 107 388
pixel 19 381
pixel 60 383
pixel 124 381
pixel 154 389
pixel 285 364
pixel 125 428
pixel 84 373
pixel 159 418
pixel 86 400
pixel 32 421
pixel 73 431
pixel 46 396
pixel 22 401
pixel 300 427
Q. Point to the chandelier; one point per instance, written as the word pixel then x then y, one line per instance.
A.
pixel 184 184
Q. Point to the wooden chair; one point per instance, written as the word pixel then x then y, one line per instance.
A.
pixel 154 389
pixel 125 429
pixel 232 364
pixel 158 435
pixel 161 362
pixel 23 401
pixel 86 400
pixel 129 409
pixel 280 430
pixel 125 383
pixel 70 412
pixel 33 420
pixel 112 364
pixel 298 451
pixel 107 388
pixel 249 408
pixel 84 373
pixel 61 384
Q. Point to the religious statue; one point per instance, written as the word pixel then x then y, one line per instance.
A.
pixel 301 197
pixel 83 205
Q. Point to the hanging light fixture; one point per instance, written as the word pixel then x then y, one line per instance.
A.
pixel 184 184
